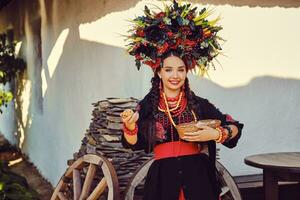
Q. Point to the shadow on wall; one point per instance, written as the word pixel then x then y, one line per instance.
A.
pixel 268 106
pixel 50 28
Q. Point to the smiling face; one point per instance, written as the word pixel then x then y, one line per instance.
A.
pixel 173 75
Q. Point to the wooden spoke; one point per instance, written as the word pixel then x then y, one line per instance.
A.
pixel 88 182
pixel 57 189
pixel 98 190
pixel 62 196
pixel 72 185
pixel 76 184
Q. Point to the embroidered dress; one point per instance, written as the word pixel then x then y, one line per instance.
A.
pixel 189 177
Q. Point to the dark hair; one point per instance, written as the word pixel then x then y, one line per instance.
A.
pixel 172 52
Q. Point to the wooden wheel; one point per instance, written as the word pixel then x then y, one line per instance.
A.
pixel 229 187
pixel 138 177
pixel 88 178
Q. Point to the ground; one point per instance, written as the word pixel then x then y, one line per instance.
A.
pixel 19 164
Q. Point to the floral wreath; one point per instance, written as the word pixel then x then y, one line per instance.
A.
pixel 179 28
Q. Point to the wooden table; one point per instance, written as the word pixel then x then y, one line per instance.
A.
pixel 276 167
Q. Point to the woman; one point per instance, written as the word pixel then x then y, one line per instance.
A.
pixel 181 169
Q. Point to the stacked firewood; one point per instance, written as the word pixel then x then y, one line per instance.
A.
pixel 104 138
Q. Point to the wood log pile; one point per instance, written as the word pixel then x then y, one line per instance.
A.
pixel 104 138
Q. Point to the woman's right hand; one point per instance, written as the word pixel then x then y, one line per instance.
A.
pixel 129 118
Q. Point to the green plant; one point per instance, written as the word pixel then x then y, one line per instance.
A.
pixel 14 186
pixel 10 66
pixel 5 98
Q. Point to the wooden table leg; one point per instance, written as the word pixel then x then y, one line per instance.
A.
pixel 270 185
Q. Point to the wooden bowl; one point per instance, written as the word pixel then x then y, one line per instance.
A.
pixel 191 126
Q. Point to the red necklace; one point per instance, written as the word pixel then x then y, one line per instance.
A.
pixel 178 109
pixel 177 112
pixel 172 99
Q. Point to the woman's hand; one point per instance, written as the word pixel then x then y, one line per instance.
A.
pixel 205 133
pixel 129 118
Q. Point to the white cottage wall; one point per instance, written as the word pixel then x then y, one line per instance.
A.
pixel 68 70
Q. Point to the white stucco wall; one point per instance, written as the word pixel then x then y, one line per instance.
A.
pixel 83 61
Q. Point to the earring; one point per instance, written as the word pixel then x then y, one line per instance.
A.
pixel 160 84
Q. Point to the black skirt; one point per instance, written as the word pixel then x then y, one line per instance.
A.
pixel 195 174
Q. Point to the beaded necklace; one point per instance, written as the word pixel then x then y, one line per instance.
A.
pixel 178 111
pixel 169 113
pixel 162 107
pixel 181 106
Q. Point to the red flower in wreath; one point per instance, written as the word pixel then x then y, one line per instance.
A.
pixel 162 26
pixel 152 64
pixel 140 33
pixel 178 42
pixel 190 43
pixel 138 57
pixel 186 30
pixel 229 118
pixel 170 34
pixel 160 15
pixel 207 33
pixel 190 17
pixel 163 48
